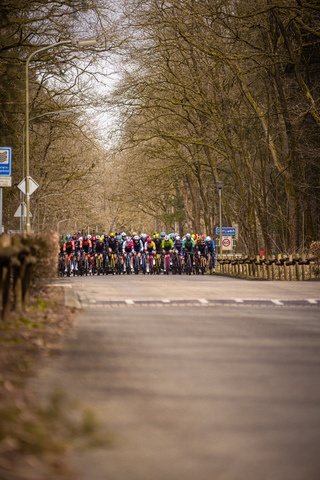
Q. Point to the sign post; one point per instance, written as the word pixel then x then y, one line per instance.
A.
pixel 5 175
pixel 27 186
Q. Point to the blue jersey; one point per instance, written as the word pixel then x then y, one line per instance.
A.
pixel 211 247
pixel 178 246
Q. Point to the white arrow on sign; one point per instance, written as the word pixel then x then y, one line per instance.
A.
pixel 22 211
pixel 32 186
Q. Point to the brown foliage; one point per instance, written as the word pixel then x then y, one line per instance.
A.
pixel 47 257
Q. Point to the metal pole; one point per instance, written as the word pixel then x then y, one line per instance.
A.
pixel 1 197
pixel 220 218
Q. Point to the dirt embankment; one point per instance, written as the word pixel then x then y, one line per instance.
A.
pixel 33 438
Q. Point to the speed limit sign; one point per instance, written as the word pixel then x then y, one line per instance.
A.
pixel 227 243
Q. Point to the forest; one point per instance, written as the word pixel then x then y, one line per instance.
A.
pixel 174 97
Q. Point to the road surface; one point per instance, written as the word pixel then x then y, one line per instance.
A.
pixel 191 386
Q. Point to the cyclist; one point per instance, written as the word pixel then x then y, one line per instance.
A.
pixel 211 250
pixel 112 246
pixel 99 250
pixel 127 249
pixel 69 251
pixel 188 248
pixel 150 249
pixel 167 245
pixel 119 246
pixel 78 242
pixel 201 248
pixel 137 248
pixel 178 247
pixel 86 248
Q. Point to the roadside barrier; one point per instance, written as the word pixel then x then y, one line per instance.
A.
pixel 23 260
pixel 272 267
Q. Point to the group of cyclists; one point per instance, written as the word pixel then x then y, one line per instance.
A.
pixel 121 253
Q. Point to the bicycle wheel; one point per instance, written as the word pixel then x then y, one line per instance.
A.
pixel 151 265
pixel 202 265
pixel 167 264
pixel 179 265
pixel 112 264
pixel 158 264
pixel 144 265
pixel 196 267
pixel 189 265
pixel 128 266
pixel 136 265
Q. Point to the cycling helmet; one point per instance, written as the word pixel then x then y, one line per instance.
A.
pixel 149 240
pixel 74 237
pixel 128 239
pixel 177 238
pixel 201 239
pixel 94 239
pixel 143 236
pixel 176 235
pixel 188 237
pixel 112 235
pixel 123 234
pixel 134 234
pixel 136 237
pixel 85 238
pixel 68 237
pixel 117 233
pixel 119 237
pixel 208 239
pixel 89 237
pixel 162 234
pixel 101 239
pixel 193 236
pixel 172 235
pixel 80 238
pixel 167 238
pixel 157 235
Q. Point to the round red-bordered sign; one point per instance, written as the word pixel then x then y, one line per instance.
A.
pixel 226 242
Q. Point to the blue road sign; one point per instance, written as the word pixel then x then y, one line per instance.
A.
pixel 5 161
pixel 226 231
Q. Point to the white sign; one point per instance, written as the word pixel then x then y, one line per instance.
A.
pixel 227 243
pixel 5 181
pixel 22 211
pixel 32 186
pixel 5 166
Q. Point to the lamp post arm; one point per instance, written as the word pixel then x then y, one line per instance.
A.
pixel 64 220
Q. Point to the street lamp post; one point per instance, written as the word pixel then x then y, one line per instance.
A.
pixel 76 42
pixel 65 220
pixel 220 186
pixel 39 200
pixel 58 113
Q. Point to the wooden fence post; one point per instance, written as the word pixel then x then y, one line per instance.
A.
pixel 285 268
pixel 297 260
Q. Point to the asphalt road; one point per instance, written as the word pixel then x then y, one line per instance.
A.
pixel 196 390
